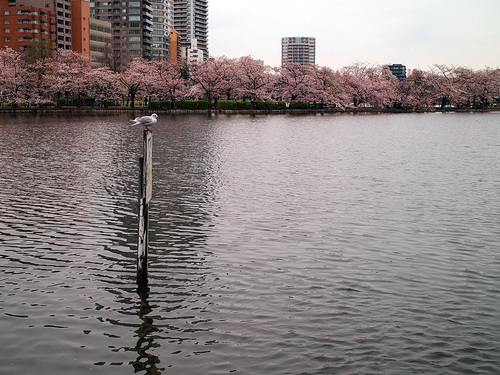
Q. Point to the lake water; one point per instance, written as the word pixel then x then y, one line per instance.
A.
pixel 336 244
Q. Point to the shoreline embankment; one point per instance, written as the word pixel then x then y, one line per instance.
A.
pixel 116 110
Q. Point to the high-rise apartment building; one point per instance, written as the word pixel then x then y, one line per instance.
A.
pixel 100 42
pixel 21 25
pixel 131 25
pixel 398 70
pixel 162 25
pixel 62 9
pixel 63 18
pixel 299 50
pixel 191 22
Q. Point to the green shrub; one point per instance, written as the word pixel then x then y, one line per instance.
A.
pixel 192 104
pixel 153 104
pixel 231 104
pixel 161 104
pixel 300 105
pixel 280 105
pixel 165 104
pixel 244 105
pixel 260 104
pixel 271 104
pixel 202 104
pixel 109 103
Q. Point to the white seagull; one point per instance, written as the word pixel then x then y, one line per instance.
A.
pixel 145 120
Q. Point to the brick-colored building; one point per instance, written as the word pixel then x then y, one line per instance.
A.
pixel 80 26
pixel 175 46
pixel 23 25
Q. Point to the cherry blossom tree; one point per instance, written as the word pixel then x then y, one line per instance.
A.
pixel 493 84
pixel 37 81
pixel 445 81
pixel 477 87
pixel 103 84
pixel 230 82
pixel 28 81
pixel 370 85
pixel 168 81
pixel 254 79
pixel 417 91
pixel 211 78
pixel 66 75
pixel 294 82
pixel 138 79
pixel 327 87
pixel 13 76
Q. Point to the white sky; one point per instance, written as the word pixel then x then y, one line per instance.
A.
pixel 416 33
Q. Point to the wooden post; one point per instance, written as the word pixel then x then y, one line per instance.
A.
pixel 145 193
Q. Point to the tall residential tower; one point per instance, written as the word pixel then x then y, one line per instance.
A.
pixel 399 70
pixel 131 25
pixel 191 22
pixel 163 19
pixel 299 50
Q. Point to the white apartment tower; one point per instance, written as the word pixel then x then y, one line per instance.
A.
pixel 191 22
pixel 299 50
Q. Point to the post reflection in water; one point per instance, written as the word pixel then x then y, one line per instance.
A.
pixel 146 361
pixel 173 307
pixel 174 304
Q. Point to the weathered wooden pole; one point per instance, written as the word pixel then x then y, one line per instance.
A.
pixel 145 193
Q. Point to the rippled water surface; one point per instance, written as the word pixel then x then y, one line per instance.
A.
pixel 337 244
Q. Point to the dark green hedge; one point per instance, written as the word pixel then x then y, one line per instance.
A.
pixel 246 105
pixel 192 104
pixel 161 104
pixel 228 105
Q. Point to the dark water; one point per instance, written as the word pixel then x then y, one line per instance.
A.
pixel 340 244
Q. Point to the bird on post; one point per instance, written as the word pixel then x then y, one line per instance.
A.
pixel 145 120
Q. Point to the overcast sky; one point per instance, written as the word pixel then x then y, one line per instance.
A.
pixel 416 33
